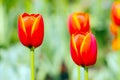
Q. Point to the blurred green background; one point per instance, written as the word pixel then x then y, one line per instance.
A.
pixel 52 58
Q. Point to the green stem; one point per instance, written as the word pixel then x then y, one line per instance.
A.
pixel 32 63
pixel 86 73
pixel 78 72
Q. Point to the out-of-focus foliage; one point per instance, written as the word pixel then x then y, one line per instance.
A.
pixel 14 58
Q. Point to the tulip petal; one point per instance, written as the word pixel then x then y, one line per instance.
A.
pixel 74 52
pixel 84 49
pixel 74 44
pixel 75 20
pixel 117 6
pixel 28 22
pixel 25 14
pixel 21 31
pixel 78 41
pixel 93 50
pixel 88 50
pixel 34 25
pixel 37 32
pixel 72 25
pixel 23 26
pixel 116 12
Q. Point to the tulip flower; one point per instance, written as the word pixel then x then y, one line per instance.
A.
pixel 31 32
pixel 114 29
pixel 116 13
pixel 30 29
pixel 78 23
pixel 83 48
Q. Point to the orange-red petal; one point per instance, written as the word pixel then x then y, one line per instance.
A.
pixel 116 12
pixel 37 32
pixel 74 51
pixel 88 50
pixel 22 32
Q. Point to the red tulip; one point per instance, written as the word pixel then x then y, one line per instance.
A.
pixel 83 49
pixel 30 29
pixel 78 23
pixel 116 12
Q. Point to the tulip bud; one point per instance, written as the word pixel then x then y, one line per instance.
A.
pixel 30 29
pixel 83 49
pixel 116 13
pixel 78 23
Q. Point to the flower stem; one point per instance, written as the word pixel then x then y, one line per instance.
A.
pixel 32 63
pixel 86 73
pixel 78 72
